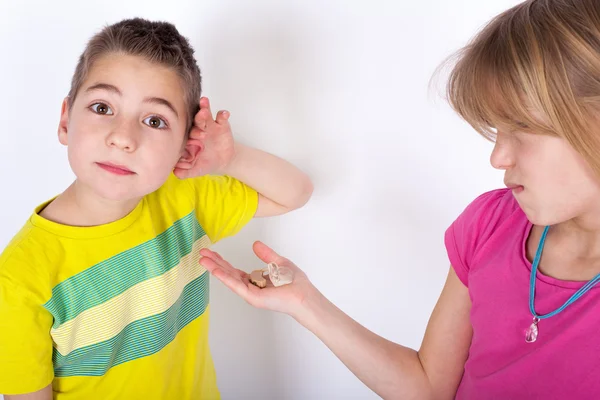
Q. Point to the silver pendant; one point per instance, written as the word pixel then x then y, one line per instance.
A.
pixel 532 333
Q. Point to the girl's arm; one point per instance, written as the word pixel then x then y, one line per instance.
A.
pixel 389 369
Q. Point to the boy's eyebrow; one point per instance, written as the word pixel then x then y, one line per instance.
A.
pixel 161 101
pixel 151 100
pixel 104 86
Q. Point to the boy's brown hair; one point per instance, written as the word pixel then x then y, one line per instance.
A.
pixel 541 55
pixel 157 42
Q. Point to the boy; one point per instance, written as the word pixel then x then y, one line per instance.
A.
pixel 101 292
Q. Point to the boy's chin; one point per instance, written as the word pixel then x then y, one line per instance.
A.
pixel 119 189
pixel 120 194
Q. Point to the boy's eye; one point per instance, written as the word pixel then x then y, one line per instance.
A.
pixel 101 108
pixel 155 122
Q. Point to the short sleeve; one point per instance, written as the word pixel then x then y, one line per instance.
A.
pixel 467 233
pixel 25 341
pixel 224 205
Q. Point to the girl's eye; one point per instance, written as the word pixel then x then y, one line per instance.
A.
pixel 521 125
pixel 101 108
pixel 155 122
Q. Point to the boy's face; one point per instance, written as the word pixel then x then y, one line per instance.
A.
pixel 126 129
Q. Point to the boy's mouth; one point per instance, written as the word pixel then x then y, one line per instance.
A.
pixel 115 169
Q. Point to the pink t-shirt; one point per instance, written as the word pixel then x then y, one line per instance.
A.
pixel 486 247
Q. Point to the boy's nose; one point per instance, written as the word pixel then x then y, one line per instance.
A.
pixel 123 138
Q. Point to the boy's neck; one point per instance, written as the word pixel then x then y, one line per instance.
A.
pixel 78 206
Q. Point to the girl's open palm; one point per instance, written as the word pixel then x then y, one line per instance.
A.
pixel 287 298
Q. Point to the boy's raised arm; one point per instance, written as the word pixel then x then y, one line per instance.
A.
pixel 211 149
pixel 281 186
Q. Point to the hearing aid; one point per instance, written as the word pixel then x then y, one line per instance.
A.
pixel 278 276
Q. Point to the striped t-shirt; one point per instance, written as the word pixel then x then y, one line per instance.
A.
pixel 118 311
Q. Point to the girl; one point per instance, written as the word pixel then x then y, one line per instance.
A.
pixel 516 318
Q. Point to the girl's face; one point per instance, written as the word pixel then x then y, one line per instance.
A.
pixel 550 180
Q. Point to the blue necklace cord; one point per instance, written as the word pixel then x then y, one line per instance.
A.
pixel 534 268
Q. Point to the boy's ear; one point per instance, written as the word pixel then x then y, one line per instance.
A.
pixel 190 154
pixel 64 122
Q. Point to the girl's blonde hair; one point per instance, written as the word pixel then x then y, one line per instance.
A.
pixel 541 55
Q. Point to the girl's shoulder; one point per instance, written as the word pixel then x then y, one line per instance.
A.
pixel 488 215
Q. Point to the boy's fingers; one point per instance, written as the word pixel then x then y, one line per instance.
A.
pixel 197 133
pixel 222 117
pixel 205 114
pixel 202 118
pixel 204 102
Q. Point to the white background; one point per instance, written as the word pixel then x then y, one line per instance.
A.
pixel 338 87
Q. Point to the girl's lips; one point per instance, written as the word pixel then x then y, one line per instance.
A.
pixel 516 188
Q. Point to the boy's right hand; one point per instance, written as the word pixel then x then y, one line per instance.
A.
pixel 288 299
pixel 210 147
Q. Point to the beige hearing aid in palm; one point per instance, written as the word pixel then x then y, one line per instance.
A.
pixel 278 275
pixel 257 278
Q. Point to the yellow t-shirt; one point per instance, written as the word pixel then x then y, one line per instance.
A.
pixel 118 311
